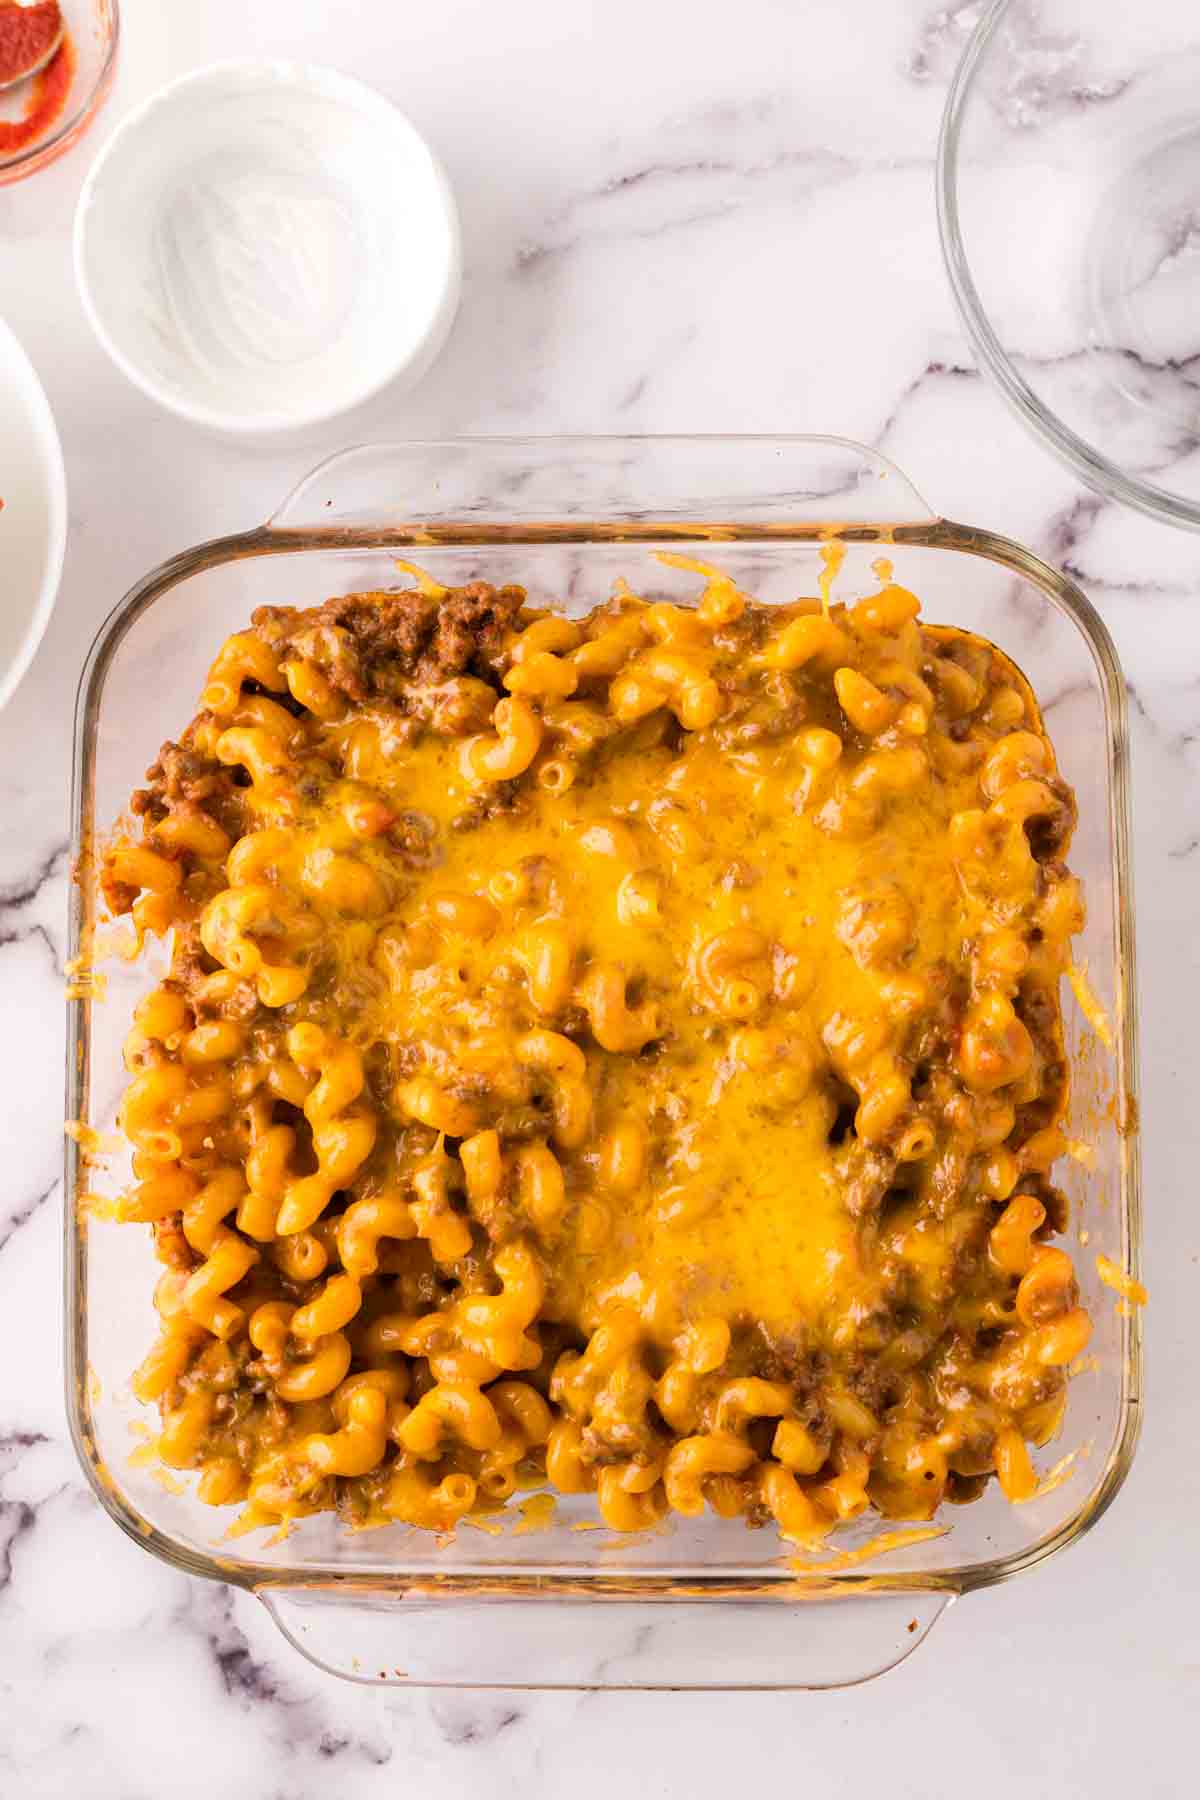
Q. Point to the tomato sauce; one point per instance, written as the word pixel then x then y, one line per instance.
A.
pixel 23 29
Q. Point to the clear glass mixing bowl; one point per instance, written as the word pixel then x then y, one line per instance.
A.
pixel 1069 206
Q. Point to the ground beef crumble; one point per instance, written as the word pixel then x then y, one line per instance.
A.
pixel 441 659
pixel 384 641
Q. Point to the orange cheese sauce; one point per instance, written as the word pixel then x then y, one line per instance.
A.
pixel 738 1210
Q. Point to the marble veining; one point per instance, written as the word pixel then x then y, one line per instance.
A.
pixel 1049 73
pixel 675 219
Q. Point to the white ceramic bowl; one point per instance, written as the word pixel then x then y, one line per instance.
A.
pixel 262 246
pixel 33 520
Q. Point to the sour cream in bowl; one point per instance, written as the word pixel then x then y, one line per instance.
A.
pixel 262 246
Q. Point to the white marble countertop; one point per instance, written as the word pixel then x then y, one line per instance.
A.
pixel 676 218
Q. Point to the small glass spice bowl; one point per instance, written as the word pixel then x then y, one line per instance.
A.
pixel 91 39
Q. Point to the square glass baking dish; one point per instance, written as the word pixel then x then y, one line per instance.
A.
pixel 694 1603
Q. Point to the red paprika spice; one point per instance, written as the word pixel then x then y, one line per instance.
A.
pixel 26 33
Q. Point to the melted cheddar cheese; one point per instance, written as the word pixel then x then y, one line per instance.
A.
pixel 621 1051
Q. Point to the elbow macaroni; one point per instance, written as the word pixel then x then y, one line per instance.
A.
pixel 621 1052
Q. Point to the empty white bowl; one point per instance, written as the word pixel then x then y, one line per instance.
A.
pixel 33 519
pixel 262 246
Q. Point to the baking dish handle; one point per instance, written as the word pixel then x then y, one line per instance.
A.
pixel 430 492
pixel 421 1637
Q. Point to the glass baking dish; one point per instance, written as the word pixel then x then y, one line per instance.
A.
pixel 698 1602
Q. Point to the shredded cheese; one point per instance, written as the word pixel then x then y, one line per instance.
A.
pixel 480 1523
pixel 673 560
pixel 879 1546
pixel 1130 1290
pixel 536 1513
pixel 833 555
pixel 1090 1006
pixel 426 583
pixel 1055 1477
pixel 98 1206
pixel 93 1143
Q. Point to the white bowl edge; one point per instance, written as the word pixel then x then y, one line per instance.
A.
pixel 33 397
